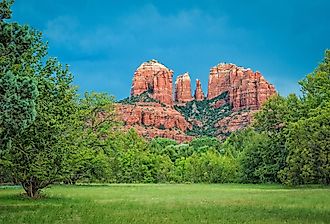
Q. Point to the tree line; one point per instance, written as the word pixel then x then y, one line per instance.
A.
pixel 49 134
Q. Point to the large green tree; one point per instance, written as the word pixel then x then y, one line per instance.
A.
pixel 38 154
pixel 97 119
pixel 17 106
pixel 316 86
pixel 19 51
pixel 308 139
pixel 296 150
pixel 308 161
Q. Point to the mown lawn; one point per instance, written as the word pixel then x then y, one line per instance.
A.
pixel 195 203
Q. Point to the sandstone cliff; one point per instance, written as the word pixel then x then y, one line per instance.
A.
pixel 247 89
pixel 154 78
pixel 152 119
pixel 234 94
pixel 183 89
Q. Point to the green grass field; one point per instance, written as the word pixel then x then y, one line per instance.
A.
pixel 195 203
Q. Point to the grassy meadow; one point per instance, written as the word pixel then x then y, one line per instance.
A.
pixel 167 203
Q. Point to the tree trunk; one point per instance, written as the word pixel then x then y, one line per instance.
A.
pixel 30 188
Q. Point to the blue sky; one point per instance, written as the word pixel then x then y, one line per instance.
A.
pixel 105 41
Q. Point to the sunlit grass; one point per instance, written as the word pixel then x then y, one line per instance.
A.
pixel 195 203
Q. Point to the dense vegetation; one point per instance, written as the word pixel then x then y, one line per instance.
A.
pixel 143 97
pixel 48 134
pixel 207 113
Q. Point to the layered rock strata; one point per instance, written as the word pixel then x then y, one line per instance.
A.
pixel 234 94
pixel 247 89
pixel 153 119
pixel 154 78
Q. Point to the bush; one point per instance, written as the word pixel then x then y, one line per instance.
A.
pixel 208 167
pixel 308 161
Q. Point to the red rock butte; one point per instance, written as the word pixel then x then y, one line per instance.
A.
pixel 156 111
pixel 247 89
pixel 199 94
pixel 155 78
pixel 183 89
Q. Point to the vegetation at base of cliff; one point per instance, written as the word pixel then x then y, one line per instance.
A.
pixel 206 113
pixel 143 97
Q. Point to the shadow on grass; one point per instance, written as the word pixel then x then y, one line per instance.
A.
pixel 19 197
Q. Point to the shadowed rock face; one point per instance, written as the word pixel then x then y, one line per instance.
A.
pixel 247 90
pixel 199 95
pixel 183 89
pixel 155 78
pixel 234 94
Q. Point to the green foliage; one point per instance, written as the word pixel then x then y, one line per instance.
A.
pixel 291 142
pixel 254 160
pixel 264 152
pixel 170 148
pixel 308 161
pixel 17 112
pixel 131 161
pixel 165 147
pixel 259 160
pixel 277 113
pixel 21 47
pixel 158 144
pixel 5 11
pixel 37 156
pixel 307 139
pixel 143 97
pixel 203 144
pixel 175 152
pixel 271 122
pixel 272 116
pixel 235 144
pixel 17 105
pixel 20 50
pixel 316 86
pixel 207 167
pixel 48 135
pixel 207 113
pixel 96 120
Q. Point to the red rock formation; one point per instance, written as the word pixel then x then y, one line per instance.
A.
pixel 156 78
pixel 153 119
pixel 183 89
pixel 247 90
pixel 152 132
pixel 199 95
